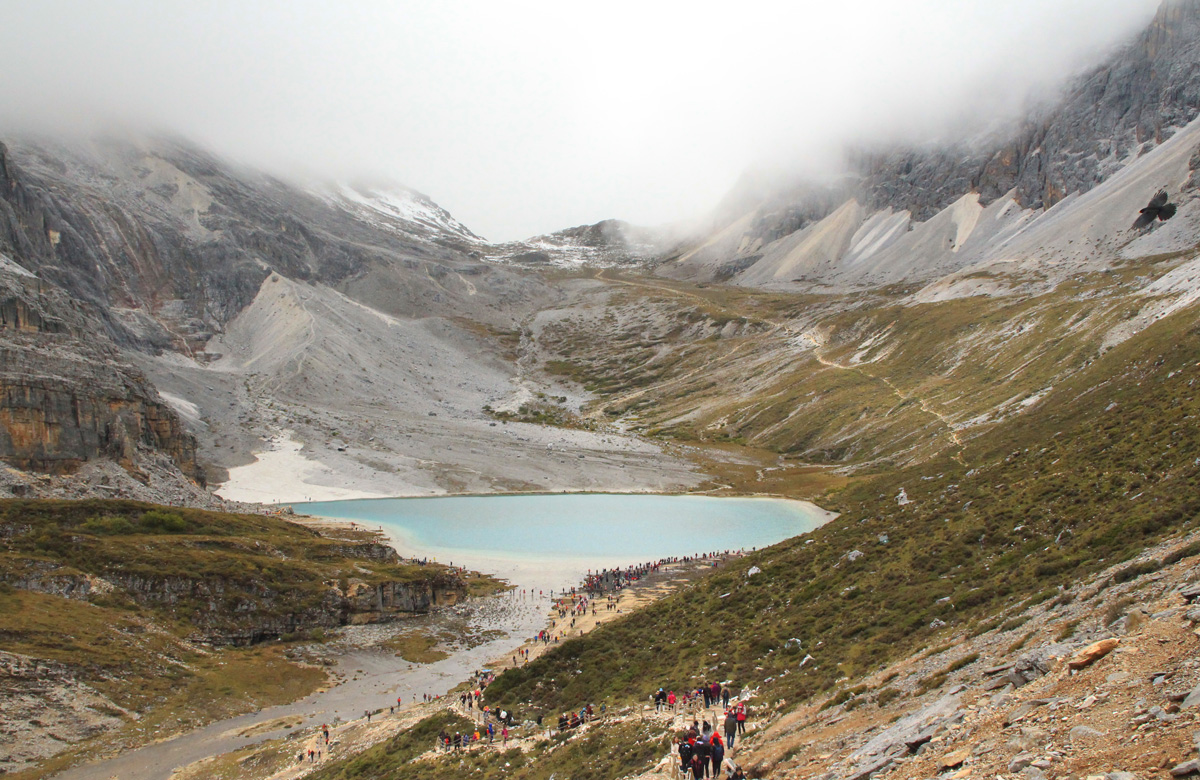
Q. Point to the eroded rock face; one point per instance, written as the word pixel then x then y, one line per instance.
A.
pixel 375 603
pixel 66 396
pixel 243 612
pixel 1116 112
pixel 45 707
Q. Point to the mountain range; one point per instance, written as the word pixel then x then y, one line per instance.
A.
pixel 189 317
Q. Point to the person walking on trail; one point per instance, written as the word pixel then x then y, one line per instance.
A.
pixel 504 735
pixel 717 755
pixel 702 751
pixel 730 727
pixel 685 755
pixel 725 697
pixel 741 718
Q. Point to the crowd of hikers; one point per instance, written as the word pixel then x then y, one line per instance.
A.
pixel 570 605
pixel 483 734
pixel 701 749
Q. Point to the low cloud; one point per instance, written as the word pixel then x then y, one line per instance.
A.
pixel 527 118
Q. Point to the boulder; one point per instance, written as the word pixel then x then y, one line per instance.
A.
pixel 1092 653
pixel 1020 762
pixel 1018 714
pixel 954 759
pixel 1033 773
pixel 1085 732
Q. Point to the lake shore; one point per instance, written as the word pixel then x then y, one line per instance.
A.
pixel 276 759
pixel 368 672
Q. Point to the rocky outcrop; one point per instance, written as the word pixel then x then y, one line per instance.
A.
pixel 66 396
pixel 245 611
pixel 374 603
pixel 1124 107
pixel 45 707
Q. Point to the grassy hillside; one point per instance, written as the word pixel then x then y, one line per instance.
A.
pixel 604 753
pixel 864 379
pixel 115 594
pixel 1106 463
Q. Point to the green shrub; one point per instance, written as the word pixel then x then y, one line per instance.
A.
pixel 162 521
pixel 107 526
pixel 1136 570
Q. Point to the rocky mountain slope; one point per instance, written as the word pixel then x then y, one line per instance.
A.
pixel 346 332
pixel 363 322
pixel 919 214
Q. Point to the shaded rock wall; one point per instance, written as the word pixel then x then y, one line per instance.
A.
pixel 66 396
pixel 247 611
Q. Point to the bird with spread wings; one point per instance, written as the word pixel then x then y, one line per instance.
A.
pixel 1158 208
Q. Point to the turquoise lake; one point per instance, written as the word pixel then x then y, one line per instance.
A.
pixel 560 536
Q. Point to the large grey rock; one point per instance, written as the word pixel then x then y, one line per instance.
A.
pixel 1019 762
pixel 1085 732
pixel 910 733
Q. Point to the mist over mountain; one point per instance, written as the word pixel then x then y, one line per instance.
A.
pixel 525 120
pixel 177 255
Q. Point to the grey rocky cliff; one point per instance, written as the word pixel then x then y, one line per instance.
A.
pixel 169 243
pixel 66 395
pixel 1121 108
pixel 1106 119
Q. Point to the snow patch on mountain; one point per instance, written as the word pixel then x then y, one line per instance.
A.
pixel 387 205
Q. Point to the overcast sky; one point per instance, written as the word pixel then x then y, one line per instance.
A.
pixel 523 118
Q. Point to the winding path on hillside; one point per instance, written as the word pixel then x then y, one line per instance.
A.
pixel 788 332
pixel 370 680
pixel 954 437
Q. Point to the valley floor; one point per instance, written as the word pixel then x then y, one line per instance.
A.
pixel 367 673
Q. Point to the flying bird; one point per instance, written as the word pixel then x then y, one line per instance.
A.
pixel 1158 207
